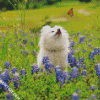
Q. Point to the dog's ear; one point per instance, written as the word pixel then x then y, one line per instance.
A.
pixel 44 29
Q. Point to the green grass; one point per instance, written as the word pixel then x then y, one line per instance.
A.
pixel 34 20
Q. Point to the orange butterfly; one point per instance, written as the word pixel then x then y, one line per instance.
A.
pixel 70 12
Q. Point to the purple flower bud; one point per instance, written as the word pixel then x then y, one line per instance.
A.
pixel 66 75
pixel 23 72
pixel 78 33
pixel 91 56
pixel 7 65
pixel 75 96
pixel 84 66
pixel 92 87
pixel 59 73
pixel 34 53
pixel 71 44
pixel 98 70
pixel 14 70
pixel 84 50
pixel 90 39
pixel 78 64
pixel 81 39
pixel 74 72
pixel 45 58
pixel 25 41
pixel 96 51
pixel 10 96
pixel 32 43
pixel 94 96
pixel 84 73
pixel 81 60
pixel 34 69
pixel 26 52
pixel 2 85
pixel 21 51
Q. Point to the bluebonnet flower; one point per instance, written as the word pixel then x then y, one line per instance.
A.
pixel 96 51
pixel 34 53
pixel 81 39
pixel 84 50
pixel 48 65
pixel 7 65
pixel 81 60
pixel 92 87
pixel 75 96
pixel 84 73
pixel 7 74
pixel 4 77
pixel 71 44
pixel 45 58
pixel 21 31
pixel 16 80
pixel 32 43
pixel 78 33
pixel 26 52
pixel 69 57
pixel 21 51
pixel 90 39
pixel 59 73
pixel 94 96
pixel 89 44
pixel 10 97
pixel 10 45
pixel 91 55
pixel 66 75
pixel 84 66
pixel 34 69
pixel 74 73
pixel 98 70
pixel 78 64
pixel 16 77
pixel 25 41
pixel 2 85
pixel 14 70
pixel 73 61
pixel 79 91
pixel 23 72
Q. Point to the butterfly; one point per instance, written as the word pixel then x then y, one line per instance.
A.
pixel 70 12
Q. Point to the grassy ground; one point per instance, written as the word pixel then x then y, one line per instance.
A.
pixel 85 20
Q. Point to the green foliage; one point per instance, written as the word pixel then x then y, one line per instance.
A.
pixel 45 86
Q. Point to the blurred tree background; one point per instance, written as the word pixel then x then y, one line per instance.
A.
pixel 31 4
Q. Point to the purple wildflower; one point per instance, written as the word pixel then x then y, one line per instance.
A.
pixel 10 97
pixel 98 70
pixel 94 96
pixel 92 87
pixel 14 70
pixel 84 50
pixel 75 96
pixel 84 66
pixel 25 41
pixel 81 60
pixel 7 65
pixel 45 58
pixel 81 39
pixel 23 72
pixel 74 72
pixel 34 53
pixel 34 69
pixel 96 51
pixel 32 43
pixel 26 52
pixel 84 73
pixel 91 56
pixel 78 33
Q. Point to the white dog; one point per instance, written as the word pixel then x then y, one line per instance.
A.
pixel 54 43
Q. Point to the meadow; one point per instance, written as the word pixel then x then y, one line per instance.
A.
pixel 19 37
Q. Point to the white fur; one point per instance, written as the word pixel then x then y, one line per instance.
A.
pixel 54 46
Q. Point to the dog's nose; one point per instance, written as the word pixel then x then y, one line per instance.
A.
pixel 58 31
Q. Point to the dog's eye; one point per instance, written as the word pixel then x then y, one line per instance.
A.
pixel 52 31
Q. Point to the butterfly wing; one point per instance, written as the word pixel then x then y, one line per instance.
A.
pixel 70 12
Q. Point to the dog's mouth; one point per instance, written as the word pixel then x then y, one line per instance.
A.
pixel 58 32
